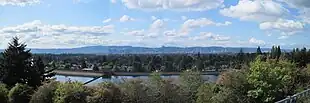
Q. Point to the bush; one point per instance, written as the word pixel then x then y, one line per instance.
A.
pixel 190 81
pixel 45 93
pixel 162 91
pixel 205 93
pixel 70 92
pixel 135 92
pixel 235 82
pixel 20 93
pixel 106 93
pixel 271 80
pixel 3 94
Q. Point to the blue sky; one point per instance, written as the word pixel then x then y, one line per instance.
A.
pixel 156 23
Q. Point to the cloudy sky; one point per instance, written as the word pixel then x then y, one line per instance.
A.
pixel 156 23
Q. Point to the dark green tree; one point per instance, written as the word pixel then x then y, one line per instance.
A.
pixel 259 51
pixel 18 66
pixel 84 65
pixel 95 67
pixel 39 73
pixel 137 66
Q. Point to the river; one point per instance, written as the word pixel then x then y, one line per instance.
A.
pixel 119 79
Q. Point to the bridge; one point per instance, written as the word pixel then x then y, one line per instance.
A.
pixel 94 74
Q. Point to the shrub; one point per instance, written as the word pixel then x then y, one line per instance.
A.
pixel 106 93
pixel 20 93
pixel 205 93
pixel 45 93
pixel 3 93
pixel 190 81
pixel 135 92
pixel 70 92
pixel 162 91
pixel 270 80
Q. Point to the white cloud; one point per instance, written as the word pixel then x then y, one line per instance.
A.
pixel 209 35
pixel 183 17
pixel 19 2
pixel 286 27
pixel 182 5
pixel 283 37
pixel 174 33
pixel 281 24
pixel 113 1
pixel 157 24
pixel 126 18
pixel 136 33
pixel 153 30
pixel 153 17
pixel 37 33
pixel 198 23
pixel 254 41
pixel 256 10
pixel 202 22
pixel 107 20
pixel 303 7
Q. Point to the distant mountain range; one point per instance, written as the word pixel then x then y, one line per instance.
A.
pixel 146 50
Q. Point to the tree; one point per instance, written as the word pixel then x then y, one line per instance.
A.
pixel 137 65
pixel 270 80
pixel 190 81
pixel 205 93
pixel 20 93
pixel 95 67
pixel 39 73
pixel 84 65
pixel 259 51
pixel 18 66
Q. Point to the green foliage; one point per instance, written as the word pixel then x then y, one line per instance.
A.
pixel 106 93
pixel 235 85
pixel 269 79
pixel 190 81
pixel 161 90
pixel 45 93
pixel 205 93
pixel 18 67
pixel 135 91
pixel 3 94
pixel 259 51
pixel 20 93
pixel 70 92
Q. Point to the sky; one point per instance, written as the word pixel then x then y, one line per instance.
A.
pixel 156 23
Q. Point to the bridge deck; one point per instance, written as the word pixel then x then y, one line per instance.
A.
pixel 99 74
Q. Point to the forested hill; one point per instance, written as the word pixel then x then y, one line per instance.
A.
pixel 145 50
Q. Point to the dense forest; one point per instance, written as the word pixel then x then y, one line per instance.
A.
pixel 250 78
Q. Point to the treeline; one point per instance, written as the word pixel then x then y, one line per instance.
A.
pixel 268 78
pixel 169 62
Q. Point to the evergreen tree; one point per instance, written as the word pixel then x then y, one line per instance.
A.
pixel 95 67
pixel 259 51
pixel 272 53
pixel 84 65
pixel 168 63
pixel 18 66
pixel 240 59
pixel 278 52
pixel 39 73
pixel 137 66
